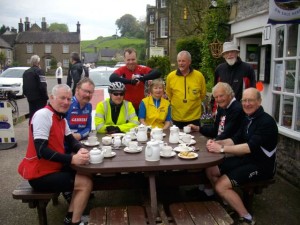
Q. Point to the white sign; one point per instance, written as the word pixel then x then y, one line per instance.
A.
pixel 7 134
pixel 156 51
pixel 283 11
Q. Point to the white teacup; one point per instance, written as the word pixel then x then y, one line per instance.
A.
pixel 92 140
pixel 187 129
pixel 167 150
pixel 183 147
pixel 106 150
pixel 106 140
pixel 186 138
pixel 133 145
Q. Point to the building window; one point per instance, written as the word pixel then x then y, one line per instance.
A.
pixel 66 49
pixel 66 63
pixel 163 4
pixel 28 62
pixel 164 27
pixel 152 38
pixel 151 19
pixel 47 48
pixel 29 48
pixel 8 54
pixel 286 81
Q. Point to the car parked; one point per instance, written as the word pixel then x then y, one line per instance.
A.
pixel 12 80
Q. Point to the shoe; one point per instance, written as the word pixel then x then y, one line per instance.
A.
pixel 67 221
pixel 244 221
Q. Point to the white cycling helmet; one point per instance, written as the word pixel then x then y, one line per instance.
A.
pixel 116 86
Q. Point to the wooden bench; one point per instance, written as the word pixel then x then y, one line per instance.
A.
pixel 124 215
pixel 199 213
pixel 35 199
pixel 252 188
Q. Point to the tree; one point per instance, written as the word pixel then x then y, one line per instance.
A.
pixel 3 29
pixel 160 62
pixel 59 27
pixel 128 25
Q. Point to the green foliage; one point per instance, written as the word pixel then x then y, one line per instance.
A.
pixel 59 27
pixel 193 45
pixel 213 29
pixel 53 63
pixel 161 63
pixel 3 29
pixel 2 58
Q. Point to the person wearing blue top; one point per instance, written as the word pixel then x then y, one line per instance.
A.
pixel 79 115
pixel 154 110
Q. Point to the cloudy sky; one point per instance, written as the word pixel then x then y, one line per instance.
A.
pixel 97 17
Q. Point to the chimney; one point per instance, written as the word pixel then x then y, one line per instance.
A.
pixel 27 24
pixel 14 30
pixel 78 27
pixel 21 27
pixel 44 24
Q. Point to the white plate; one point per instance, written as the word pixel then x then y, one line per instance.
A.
pixel 111 155
pixel 88 144
pixel 178 149
pixel 117 134
pixel 139 149
pixel 192 142
pixel 167 156
pixel 192 155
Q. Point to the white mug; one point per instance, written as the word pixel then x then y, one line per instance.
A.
pixel 106 150
pixel 187 129
pixel 106 140
pixel 132 145
pixel 167 150
pixel 92 140
pixel 186 138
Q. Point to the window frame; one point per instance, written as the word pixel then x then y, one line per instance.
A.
pixel 163 27
pixel 66 49
pixel 29 48
pixel 48 49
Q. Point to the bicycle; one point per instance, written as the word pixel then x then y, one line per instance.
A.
pixel 9 97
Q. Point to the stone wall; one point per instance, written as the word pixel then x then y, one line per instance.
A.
pixel 288 160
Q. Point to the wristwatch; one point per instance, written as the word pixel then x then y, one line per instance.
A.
pixel 222 149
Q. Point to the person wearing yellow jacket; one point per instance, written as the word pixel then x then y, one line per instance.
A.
pixel 114 114
pixel 155 110
pixel 185 88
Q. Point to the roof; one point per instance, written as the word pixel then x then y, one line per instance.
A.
pixel 9 38
pixel 106 52
pixel 90 57
pixel 4 44
pixel 48 37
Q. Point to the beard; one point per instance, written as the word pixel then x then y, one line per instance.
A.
pixel 231 62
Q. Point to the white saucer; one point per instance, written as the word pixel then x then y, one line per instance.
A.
pixel 111 155
pixel 88 144
pixel 192 142
pixel 178 149
pixel 139 149
pixel 182 133
pixel 117 134
pixel 167 156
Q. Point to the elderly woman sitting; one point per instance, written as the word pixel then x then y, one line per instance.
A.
pixel 154 110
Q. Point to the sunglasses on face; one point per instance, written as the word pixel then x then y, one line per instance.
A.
pixel 118 94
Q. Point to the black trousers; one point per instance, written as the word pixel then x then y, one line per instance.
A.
pixel 35 106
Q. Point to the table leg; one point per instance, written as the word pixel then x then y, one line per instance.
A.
pixel 153 195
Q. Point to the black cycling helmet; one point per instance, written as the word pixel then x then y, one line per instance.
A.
pixel 116 87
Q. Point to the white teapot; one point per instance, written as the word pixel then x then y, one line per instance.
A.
pixel 157 134
pixel 126 139
pixel 152 151
pixel 96 156
pixel 174 134
pixel 142 133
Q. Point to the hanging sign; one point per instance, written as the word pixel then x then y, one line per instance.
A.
pixel 284 11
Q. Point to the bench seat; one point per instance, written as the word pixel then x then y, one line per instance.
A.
pixel 199 213
pixel 122 215
pixel 35 199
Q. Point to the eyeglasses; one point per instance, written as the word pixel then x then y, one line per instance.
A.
pixel 118 94
pixel 248 100
pixel 87 91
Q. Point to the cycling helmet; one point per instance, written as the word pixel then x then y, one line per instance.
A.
pixel 116 86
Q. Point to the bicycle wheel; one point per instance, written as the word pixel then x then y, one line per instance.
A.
pixel 14 109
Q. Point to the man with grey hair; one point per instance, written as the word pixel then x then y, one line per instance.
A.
pixel 46 165
pixel 35 86
pixel 238 74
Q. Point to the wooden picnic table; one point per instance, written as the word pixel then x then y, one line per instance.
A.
pixel 135 162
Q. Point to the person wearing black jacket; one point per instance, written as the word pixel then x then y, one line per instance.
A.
pixel 35 86
pixel 253 150
pixel 75 73
pixel 229 114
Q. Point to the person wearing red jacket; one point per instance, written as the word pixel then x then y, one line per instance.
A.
pixel 134 77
